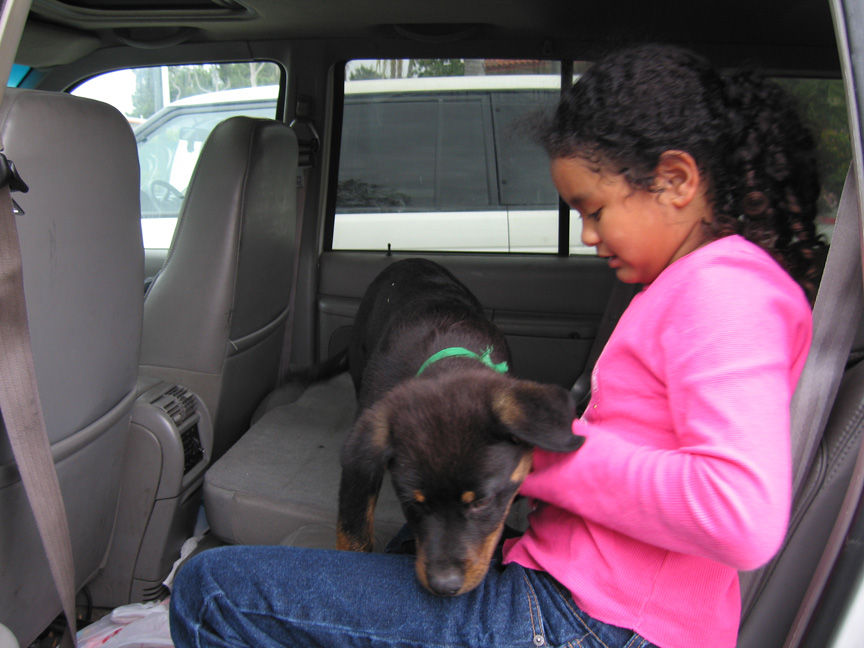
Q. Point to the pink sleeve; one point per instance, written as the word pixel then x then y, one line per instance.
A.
pixel 724 492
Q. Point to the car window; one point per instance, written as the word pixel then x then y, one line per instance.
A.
pixel 172 111
pixel 822 103
pixel 434 156
pixel 16 76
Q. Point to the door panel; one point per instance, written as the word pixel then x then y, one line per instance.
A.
pixel 548 307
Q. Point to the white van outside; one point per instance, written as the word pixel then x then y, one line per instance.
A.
pixel 441 164
pixel 435 163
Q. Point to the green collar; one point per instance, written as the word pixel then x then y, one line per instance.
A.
pixel 500 367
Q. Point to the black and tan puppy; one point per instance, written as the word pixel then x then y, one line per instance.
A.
pixel 438 408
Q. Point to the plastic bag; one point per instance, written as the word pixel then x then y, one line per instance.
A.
pixel 139 625
pixel 188 547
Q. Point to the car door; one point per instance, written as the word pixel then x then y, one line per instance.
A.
pixel 438 167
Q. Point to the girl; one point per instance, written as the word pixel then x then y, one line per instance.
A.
pixel 703 190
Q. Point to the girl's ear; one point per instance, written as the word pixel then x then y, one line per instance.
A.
pixel 677 178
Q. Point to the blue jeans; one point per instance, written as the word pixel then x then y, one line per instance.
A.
pixel 265 597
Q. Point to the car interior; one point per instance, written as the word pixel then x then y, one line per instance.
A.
pixel 287 151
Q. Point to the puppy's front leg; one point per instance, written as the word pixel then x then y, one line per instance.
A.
pixel 365 455
pixel 358 494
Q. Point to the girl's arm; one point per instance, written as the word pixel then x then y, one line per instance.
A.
pixel 724 491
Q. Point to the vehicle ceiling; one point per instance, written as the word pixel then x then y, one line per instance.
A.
pixel 791 34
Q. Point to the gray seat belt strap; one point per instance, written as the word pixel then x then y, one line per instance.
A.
pixel 619 299
pixel 288 334
pixel 836 314
pixel 22 414
pixel 308 156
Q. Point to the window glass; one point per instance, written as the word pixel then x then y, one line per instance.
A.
pixel 822 104
pixel 465 156
pixel 434 156
pixel 387 162
pixel 17 74
pixel 523 166
pixel 172 111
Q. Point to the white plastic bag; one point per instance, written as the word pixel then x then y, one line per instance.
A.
pixel 140 625
pixel 188 547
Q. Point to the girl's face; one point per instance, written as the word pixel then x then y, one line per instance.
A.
pixel 640 232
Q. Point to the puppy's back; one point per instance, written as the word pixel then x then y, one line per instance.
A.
pixel 407 305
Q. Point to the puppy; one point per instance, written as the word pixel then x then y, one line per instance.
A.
pixel 438 407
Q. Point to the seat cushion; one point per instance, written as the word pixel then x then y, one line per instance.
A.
pixel 283 474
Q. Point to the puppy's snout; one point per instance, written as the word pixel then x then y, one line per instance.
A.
pixel 446 581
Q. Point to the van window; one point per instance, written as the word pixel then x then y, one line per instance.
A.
pixel 172 111
pixel 433 157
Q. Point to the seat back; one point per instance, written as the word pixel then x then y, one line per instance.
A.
pixel 83 269
pixel 214 316
pixel 770 608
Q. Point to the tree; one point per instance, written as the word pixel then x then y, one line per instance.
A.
pixel 364 73
pixel 436 67
pixel 151 91
pixel 413 68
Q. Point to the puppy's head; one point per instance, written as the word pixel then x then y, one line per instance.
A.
pixel 458 447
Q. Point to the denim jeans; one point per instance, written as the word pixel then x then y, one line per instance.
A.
pixel 265 597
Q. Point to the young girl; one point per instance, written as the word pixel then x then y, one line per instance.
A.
pixel 703 189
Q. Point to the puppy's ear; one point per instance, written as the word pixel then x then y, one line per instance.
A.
pixel 541 415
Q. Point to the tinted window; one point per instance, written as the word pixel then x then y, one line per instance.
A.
pixel 464 166
pixel 523 166
pixel 388 155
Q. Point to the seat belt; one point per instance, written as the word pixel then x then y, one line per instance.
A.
pixel 21 409
pixel 839 532
pixel 836 316
pixel 617 303
pixel 288 333
pixel 308 157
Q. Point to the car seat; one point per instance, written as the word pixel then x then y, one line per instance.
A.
pixel 214 316
pixel 281 479
pixel 770 605
pixel 82 258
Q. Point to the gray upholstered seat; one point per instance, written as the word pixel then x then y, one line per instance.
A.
pixel 777 593
pixel 214 317
pixel 83 276
pixel 283 475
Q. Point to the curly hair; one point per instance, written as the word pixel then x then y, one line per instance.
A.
pixel 752 149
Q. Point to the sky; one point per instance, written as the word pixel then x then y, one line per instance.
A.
pixel 115 88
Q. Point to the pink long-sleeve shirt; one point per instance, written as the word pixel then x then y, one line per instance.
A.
pixel 685 476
